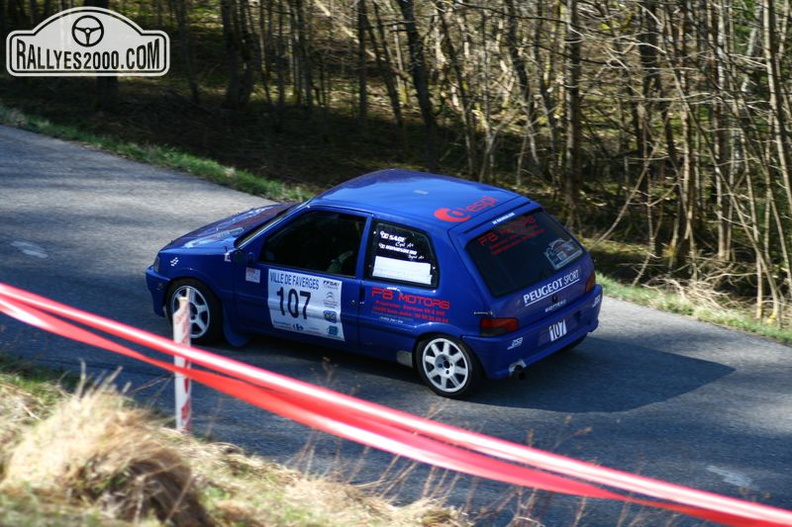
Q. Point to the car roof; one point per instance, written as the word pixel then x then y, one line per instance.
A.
pixel 429 200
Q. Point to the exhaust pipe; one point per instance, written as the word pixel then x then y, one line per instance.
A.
pixel 517 370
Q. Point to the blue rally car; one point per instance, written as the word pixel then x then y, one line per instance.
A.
pixel 459 280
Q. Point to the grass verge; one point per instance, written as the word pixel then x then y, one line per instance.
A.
pixel 162 156
pixel 697 303
pixel 92 457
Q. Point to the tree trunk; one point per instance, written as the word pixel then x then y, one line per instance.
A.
pixel 526 96
pixel 420 78
pixel 545 51
pixel 241 53
pixel 106 87
pixel 183 23
pixel 386 67
pixel 303 63
pixel 574 131
pixel 779 111
pixel 362 30
pixel 458 84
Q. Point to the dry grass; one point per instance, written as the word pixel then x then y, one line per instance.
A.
pixel 96 449
pixel 96 459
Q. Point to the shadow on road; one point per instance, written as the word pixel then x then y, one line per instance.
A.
pixel 599 376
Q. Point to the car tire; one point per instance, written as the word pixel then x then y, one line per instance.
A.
pixel 447 366
pixel 206 314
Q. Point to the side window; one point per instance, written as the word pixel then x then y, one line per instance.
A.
pixel 402 254
pixel 322 241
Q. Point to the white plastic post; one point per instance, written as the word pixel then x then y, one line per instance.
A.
pixel 183 386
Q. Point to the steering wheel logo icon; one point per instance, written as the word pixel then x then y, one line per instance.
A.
pixel 87 31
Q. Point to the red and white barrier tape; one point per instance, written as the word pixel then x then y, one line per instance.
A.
pixel 390 430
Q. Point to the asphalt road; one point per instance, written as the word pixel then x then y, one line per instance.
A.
pixel 648 392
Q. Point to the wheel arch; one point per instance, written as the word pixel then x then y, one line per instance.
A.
pixel 190 273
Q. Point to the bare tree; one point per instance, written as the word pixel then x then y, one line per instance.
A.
pixel 242 53
pixel 363 29
pixel 515 48
pixel 420 77
pixel 106 87
pixel 574 117
pixel 181 10
pixel 385 64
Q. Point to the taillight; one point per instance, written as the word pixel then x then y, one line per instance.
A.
pixel 491 327
pixel 591 282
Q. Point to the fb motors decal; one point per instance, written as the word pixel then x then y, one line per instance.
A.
pixel 397 306
pixel 460 214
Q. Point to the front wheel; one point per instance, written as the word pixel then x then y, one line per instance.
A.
pixel 448 367
pixel 206 315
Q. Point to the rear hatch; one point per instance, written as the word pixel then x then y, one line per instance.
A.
pixel 531 266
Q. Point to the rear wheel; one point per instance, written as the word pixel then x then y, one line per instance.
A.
pixel 448 367
pixel 206 315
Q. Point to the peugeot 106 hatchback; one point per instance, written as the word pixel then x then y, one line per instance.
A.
pixel 459 280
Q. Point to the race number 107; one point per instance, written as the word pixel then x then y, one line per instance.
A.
pixel 291 300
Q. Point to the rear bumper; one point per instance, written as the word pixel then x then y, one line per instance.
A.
pixel 501 356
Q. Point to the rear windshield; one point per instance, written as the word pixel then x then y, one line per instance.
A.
pixel 523 251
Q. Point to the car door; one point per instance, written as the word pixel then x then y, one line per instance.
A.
pixel 301 282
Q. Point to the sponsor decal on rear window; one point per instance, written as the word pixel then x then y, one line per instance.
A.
pixel 402 254
pixel 561 252
pixel 509 234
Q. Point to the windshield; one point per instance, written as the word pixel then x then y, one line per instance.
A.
pixel 523 251
pixel 277 211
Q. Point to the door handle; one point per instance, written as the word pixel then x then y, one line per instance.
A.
pixel 361 295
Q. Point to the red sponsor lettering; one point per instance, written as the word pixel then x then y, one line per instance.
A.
pixel 460 214
pixel 381 292
pixel 416 300
pixel 424 301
